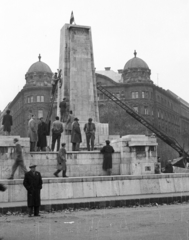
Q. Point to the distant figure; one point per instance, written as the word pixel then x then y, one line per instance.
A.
pixel 61 161
pixel 76 135
pixel 19 161
pixel 57 129
pixel 169 167
pixel 54 84
pixel 89 130
pixel 42 135
pixel 157 168
pixel 32 133
pixel 107 161
pixel 7 123
pixel 69 123
pixel 63 108
pixel 33 184
pixel 2 189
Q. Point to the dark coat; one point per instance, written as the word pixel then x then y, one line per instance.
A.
pixel 107 161
pixel 33 184
pixel 18 152
pixel 63 106
pixel 2 187
pixel 168 168
pixel 76 133
pixel 42 132
pixel 7 123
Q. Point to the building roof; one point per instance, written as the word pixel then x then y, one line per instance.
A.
pixel 135 63
pixel 111 74
pixel 39 67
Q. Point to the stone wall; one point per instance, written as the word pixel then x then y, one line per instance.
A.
pixel 94 187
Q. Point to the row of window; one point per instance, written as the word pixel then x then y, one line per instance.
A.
pixel 31 99
pixel 135 95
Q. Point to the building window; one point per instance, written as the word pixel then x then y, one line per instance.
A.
pixel 40 113
pixel 42 98
pixel 28 99
pixel 134 95
pixel 135 109
pixel 31 99
pixel 143 94
pixel 158 114
pixel 38 98
pixel 145 110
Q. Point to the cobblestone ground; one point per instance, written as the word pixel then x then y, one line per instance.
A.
pixel 169 222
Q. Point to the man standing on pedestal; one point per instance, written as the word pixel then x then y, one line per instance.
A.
pixel 33 184
pixel 7 123
pixel 57 129
pixel 89 130
pixel 32 133
pixel 75 135
pixel 69 123
pixel 63 108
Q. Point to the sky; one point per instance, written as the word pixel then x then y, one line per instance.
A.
pixel 157 29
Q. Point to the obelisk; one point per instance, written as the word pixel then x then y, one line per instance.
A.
pixel 78 72
pixel 78 80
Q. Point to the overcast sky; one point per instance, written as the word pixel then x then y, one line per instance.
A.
pixel 157 29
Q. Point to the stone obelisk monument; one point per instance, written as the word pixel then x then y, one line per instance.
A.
pixel 78 77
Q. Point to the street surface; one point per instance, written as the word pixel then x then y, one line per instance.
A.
pixel 167 222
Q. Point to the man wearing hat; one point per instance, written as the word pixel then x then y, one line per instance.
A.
pixel 33 184
pixel 76 135
pixel 107 161
pixel 89 130
pixel 19 162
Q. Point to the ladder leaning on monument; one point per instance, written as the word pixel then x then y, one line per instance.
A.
pixel 49 114
pixel 171 142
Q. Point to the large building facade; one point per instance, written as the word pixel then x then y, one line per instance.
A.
pixel 164 109
pixel 33 99
pixel 132 84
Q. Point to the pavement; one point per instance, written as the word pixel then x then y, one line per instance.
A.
pixel 158 222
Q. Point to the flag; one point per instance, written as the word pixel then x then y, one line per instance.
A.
pixel 72 18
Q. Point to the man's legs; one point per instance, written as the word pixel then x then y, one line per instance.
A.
pixel 53 141
pixel 92 142
pixel 22 166
pixel 56 173
pixel 30 209
pixel 77 146
pixel 14 167
pixel 73 146
pixel 36 211
pixel 58 142
pixel 32 146
pixel 88 141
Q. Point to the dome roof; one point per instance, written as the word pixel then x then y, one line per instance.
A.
pixel 39 67
pixel 135 63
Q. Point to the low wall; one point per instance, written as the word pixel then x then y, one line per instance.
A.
pixel 94 187
pixel 78 164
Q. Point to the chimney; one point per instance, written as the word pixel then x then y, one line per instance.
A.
pixel 120 71
pixel 107 68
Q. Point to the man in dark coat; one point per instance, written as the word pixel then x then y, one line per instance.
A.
pixel 2 187
pixel 19 161
pixel 76 135
pixel 33 184
pixel 169 167
pixel 7 123
pixel 42 132
pixel 107 161
pixel 63 110
pixel 89 130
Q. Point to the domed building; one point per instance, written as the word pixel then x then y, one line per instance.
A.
pixel 162 108
pixel 33 99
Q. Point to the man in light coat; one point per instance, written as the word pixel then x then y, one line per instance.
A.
pixel 32 133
